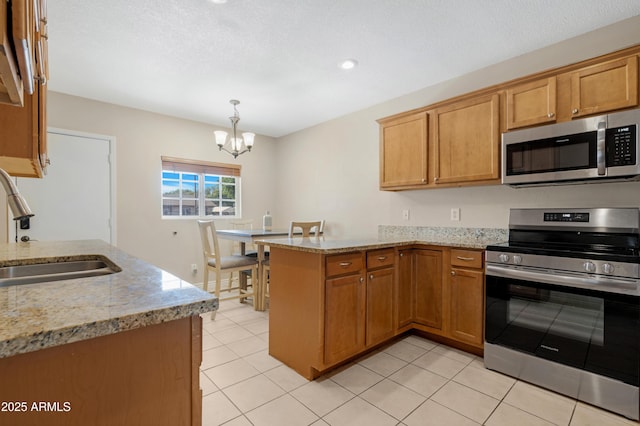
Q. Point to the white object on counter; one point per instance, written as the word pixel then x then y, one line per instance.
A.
pixel 266 221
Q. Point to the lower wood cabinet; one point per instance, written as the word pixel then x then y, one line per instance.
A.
pixel 428 288
pixel 359 307
pixel 344 324
pixel 327 309
pixel 145 376
pixel 380 321
pixel 467 305
pixel 405 305
pixel 441 291
pixel 466 287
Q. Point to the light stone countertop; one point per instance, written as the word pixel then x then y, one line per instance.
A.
pixel 37 316
pixel 469 238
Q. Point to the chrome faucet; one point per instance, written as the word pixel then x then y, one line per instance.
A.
pixel 17 203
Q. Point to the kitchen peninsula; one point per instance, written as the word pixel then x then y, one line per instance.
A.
pixel 331 300
pixel 122 348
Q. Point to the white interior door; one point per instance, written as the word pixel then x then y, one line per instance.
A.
pixel 74 201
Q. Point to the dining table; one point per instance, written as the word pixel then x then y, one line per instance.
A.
pixel 248 236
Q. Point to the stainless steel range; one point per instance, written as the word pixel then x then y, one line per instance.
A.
pixel 563 304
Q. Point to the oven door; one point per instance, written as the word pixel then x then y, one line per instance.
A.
pixel 590 330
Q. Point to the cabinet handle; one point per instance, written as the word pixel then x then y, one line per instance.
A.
pixel 466 259
pixel 401 254
pixel 371 276
pixel 453 273
pixel 361 279
pixel 382 258
pixel 345 264
pixel 575 111
pixel 550 115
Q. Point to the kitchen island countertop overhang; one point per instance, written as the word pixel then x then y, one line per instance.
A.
pixel 38 316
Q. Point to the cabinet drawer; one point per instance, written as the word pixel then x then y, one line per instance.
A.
pixel 341 264
pixel 380 258
pixel 466 258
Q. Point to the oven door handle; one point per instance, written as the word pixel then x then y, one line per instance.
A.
pixel 612 285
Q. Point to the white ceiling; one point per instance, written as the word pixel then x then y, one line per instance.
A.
pixel 188 58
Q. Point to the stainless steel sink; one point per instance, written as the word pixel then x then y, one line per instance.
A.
pixel 53 269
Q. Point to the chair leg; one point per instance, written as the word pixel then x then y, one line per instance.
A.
pixel 218 279
pixel 264 282
pixel 217 293
pixel 205 278
pixel 242 285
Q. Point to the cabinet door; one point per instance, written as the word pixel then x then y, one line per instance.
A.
pixel 344 317
pixel 10 83
pixel 380 302
pixel 23 130
pixel 403 151
pixel 605 87
pixel 428 287
pixel 405 301
pixel 467 306
pixel 467 141
pixel 531 103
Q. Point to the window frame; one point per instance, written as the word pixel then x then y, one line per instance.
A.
pixel 201 169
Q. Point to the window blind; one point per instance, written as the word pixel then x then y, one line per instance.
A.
pixel 196 166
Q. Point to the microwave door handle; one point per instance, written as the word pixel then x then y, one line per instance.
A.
pixel 601 148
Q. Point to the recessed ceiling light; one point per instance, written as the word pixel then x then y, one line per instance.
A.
pixel 219 1
pixel 348 64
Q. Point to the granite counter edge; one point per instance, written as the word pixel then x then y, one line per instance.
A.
pixel 373 246
pixel 76 333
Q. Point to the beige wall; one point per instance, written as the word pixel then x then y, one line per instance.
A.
pixel 141 139
pixel 329 171
pixel 339 180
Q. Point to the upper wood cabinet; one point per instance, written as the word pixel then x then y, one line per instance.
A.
pixel 531 103
pixel 466 139
pixel 11 91
pixel 456 142
pixel 403 151
pixel 605 87
pixel 23 129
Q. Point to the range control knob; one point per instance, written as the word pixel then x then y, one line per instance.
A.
pixel 608 268
pixel 589 266
pixel 504 258
pixel 517 259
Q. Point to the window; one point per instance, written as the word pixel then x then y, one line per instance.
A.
pixel 195 188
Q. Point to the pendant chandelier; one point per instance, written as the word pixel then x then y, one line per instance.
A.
pixel 234 145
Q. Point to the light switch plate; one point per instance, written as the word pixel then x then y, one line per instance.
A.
pixel 405 214
pixel 455 214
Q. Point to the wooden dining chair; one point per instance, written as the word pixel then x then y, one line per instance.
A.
pixel 307 227
pixel 214 261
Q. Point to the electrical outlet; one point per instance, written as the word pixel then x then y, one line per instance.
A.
pixel 405 214
pixel 455 214
pixel 194 268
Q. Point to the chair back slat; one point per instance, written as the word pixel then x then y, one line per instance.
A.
pixel 209 238
pixel 306 227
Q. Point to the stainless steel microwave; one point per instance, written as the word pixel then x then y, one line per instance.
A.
pixel 588 150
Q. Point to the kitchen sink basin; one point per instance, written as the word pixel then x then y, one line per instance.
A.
pixel 53 269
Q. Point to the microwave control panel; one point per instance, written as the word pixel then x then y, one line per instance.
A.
pixel 621 146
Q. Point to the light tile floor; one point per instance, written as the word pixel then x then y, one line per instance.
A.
pixel 411 382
